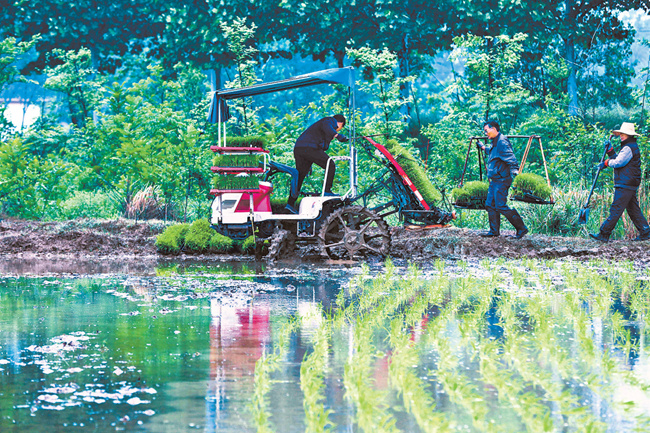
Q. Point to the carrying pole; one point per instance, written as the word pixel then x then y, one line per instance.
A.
pixel 462 178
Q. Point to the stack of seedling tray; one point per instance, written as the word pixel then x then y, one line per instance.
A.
pixel 237 164
pixel 472 195
pixel 531 188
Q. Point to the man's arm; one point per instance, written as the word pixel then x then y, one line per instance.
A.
pixel 505 153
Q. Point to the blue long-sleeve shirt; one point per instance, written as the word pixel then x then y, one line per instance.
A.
pixel 501 160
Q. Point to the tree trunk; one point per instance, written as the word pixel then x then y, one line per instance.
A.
pixel 404 71
pixel 569 43
pixel 490 81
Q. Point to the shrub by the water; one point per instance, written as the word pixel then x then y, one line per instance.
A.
pixel 471 192
pixel 172 240
pixel 414 171
pixel 199 235
pixel 533 184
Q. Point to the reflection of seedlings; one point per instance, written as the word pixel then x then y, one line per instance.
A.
pixel 312 372
pixel 264 366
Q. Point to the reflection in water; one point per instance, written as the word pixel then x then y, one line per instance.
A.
pixel 239 334
pixel 503 346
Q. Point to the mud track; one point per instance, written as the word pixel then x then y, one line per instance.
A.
pixel 129 241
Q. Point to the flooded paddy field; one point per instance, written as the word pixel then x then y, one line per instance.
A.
pixel 492 345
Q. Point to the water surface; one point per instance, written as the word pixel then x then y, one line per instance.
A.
pixel 504 346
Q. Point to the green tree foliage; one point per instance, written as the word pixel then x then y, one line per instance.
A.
pixel 379 80
pixel 108 29
pixel 239 36
pixel 76 79
pixel 10 51
pixel 29 184
pixel 488 86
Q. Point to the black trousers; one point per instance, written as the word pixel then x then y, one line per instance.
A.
pixel 625 199
pixel 305 157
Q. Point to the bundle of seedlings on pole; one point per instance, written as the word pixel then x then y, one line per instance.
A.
pixel 531 188
pixel 229 160
pixel 233 183
pixel 414 171
pixel 472 195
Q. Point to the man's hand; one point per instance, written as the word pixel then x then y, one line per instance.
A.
pixel 479 146
pixel 342 138
pixel 514 173
pixel 603 164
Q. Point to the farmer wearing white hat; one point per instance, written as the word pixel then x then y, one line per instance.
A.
pixel 627 178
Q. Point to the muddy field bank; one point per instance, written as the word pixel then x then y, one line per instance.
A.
pixel 129 240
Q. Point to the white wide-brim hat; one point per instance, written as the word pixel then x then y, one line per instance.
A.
pixel 627 129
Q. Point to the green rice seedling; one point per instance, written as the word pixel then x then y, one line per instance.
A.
pixel 228 160
pixel 198 236
pixel 251 141
pixel 264 367
pixel 370 403
pixel 533 184
pixel 415 171
pixel 229 182
pixel 219 243
pixel 312 371
pixel 415 397
pixel 172 240
pixel 472 193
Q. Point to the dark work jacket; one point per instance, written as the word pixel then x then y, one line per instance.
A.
pixel 319 135
pixel 501 161
pixel 629 176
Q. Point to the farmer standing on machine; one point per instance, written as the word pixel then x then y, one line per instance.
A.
pixel 502 167
pixel 627 178
pixel 310 149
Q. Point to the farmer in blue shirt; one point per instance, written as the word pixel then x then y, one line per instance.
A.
pixel 502 167
pixel 627 178
pixel 310 149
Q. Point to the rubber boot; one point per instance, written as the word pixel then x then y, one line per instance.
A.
pixel 600 237
pixel 516 221
pixel 644 234
pixel 495 225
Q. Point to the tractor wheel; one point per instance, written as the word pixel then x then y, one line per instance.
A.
pixel 353 231
pixel 278 243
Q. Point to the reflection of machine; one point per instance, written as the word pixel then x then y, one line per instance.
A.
pixel 239 334
pixel 341 228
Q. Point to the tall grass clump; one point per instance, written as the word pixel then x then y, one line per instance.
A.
pixel 415 171
pixel 172 240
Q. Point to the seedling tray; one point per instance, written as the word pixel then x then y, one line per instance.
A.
pixel 233 170
pixel 528 197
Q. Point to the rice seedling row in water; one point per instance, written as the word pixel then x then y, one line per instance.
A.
pixel 312 373
pixel 264 366
pixel 562 347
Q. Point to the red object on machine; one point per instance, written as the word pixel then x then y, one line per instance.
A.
pixel 405 178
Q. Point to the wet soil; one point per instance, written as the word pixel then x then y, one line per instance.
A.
pixel 128 242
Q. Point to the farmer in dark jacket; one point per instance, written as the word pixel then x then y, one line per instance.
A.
pixel 502 167
pixel 310 149
pixel 627 178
